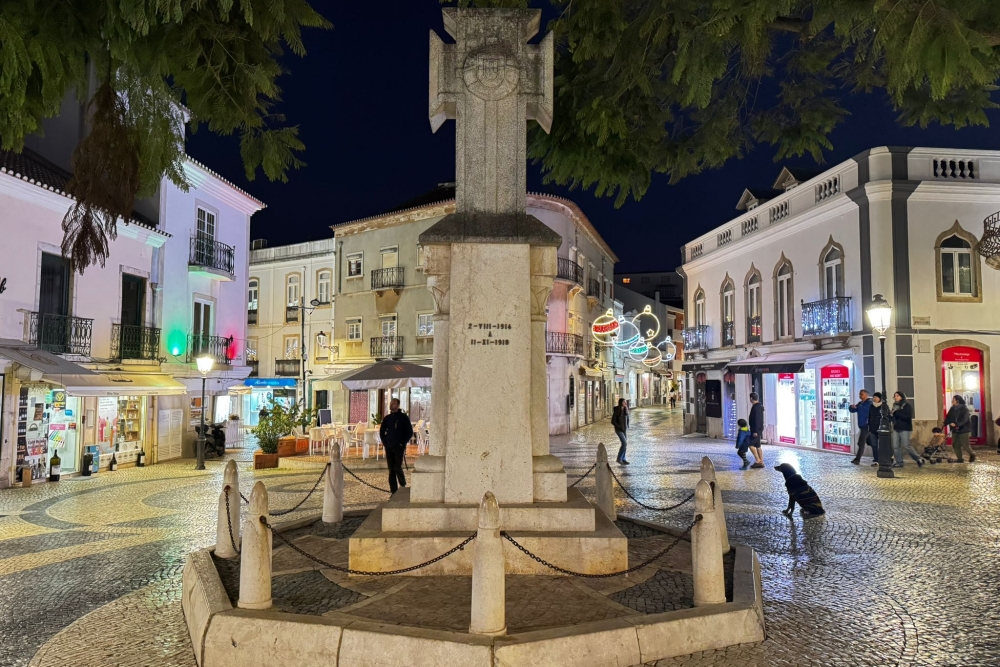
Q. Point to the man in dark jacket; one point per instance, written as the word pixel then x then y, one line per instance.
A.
pixel 396 433
pixel 865 438
pixel 879 421
pixel 756 422
pixel 959 423
pixel 619 420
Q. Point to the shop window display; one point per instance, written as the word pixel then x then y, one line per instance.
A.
pixel 962 374
pixel 836 394
pixel 785 397
pixel 47 422
pixel 807 408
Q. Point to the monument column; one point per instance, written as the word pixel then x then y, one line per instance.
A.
pixel 548 476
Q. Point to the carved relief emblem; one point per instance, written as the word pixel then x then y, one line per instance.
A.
pixel 491 73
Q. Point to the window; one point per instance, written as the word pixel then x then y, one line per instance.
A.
pixel 252 348
pixel 388 325
pixel 728 301
pixel 206 224
pixel 699 308
pixel 753 296
pixel 390 257
pixel 202 320
pixel 644 279
pixel 626 281
pixel 292 290
pixel 291 347
pixel 425 324
pixel 956 267
pixel 783 300
pixel 833 273
pixel 355 264
pixel 253 294
pixel 354 328
pixel 323 286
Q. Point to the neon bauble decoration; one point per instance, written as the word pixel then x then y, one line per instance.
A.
pixel 653 358
pixel 628 334
pixel 639 350
pixel 606 328
pixel 647 323
pixel 668 348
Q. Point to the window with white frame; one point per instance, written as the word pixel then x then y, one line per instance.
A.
pixel 425 324
pixel 753 296
pixel 783 301
pixel 354 329
pixel 957 278
pixel 252 348
pixel 291 347
pixel 292 290
pixel 323 279
pixel 355 264
pixel 833 273
pixel 728 302
pixel 206 224
pixel 252 294
pixel 388 325
pixel 699 308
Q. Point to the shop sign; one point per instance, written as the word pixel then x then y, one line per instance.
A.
pixel 269 382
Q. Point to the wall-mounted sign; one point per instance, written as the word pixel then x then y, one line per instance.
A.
pixel 270 382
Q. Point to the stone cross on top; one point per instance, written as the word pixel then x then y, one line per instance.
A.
pixel 491 82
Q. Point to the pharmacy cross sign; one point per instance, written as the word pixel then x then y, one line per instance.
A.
pixel 491 81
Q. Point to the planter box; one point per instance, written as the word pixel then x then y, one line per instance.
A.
pixel 302 445
pixel 262 460
pixel 286 446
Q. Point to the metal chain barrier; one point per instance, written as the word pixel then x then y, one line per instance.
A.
pixel 368 484
pixel 642 504
pixel 583 476
pixel 299 504
pixel 229 520
pixel 366 573
pixel 539 559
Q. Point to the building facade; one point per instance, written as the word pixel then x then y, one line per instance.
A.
pixel 647 384
pixel 663 286
pixel 777 297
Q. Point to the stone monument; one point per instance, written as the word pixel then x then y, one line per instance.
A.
pixel 490 268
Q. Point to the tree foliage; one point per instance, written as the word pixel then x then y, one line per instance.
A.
pixel 148 63
pixel 679 86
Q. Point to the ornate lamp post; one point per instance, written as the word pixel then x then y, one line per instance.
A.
pixel 880 316
pixel 205 367
pixel 303 355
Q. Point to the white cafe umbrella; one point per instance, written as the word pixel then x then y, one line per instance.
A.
pixel 385 375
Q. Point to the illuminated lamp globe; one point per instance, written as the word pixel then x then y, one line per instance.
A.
pixel 205 364
pixel 639 350
pixel 668 348
pixel 880 314
pixel 628 334
pixel 605 328
pixel 653 358
pixel 647 321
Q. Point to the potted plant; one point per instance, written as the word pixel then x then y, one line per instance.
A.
pixel 275 424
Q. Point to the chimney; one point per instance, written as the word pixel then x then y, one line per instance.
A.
pixel 258 244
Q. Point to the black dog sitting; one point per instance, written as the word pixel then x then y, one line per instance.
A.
pixel 799 492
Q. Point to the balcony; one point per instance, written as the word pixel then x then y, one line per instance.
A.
pixel 386 279
pixel 753 329
pixel 564 343
pixel 252 316
pixel 130 341
pixel 829 317
pixel 216 347
pixel 287 367
pixel 728 333
pixel 212 257
pixel 291 314
pixel 567 269
pixel 594 288
pixel 386 347
pixel 60 334
pixel 254 368
pixel 696 338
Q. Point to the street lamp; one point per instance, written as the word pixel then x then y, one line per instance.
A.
pixel 303 355
pixel 880 316
pixel 205 367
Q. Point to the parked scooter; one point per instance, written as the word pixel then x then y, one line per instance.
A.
pixel 215 439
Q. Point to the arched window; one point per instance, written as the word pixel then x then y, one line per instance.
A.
pixel 699 308
pixel 728 302
pixel 323 286
pixel 253 294
pixel 833 273
pixel 783 304
pixel 956 267
pixel 292 289
pixel 753 304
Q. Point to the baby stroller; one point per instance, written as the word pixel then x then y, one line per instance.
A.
pixel 935 454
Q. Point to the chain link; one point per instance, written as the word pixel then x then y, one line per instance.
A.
pixel 539 559
pixel 377 488
pixel 583 476
pixel 366 573
pixel 642 504
pixel 229 520
pixel 289 511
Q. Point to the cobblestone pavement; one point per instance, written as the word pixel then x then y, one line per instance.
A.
pixel 899 572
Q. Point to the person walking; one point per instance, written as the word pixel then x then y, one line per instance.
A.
pixel 879 421
pixel 861 409
pixel 673 401
pixel 619 420
pixel 959 422
pixel 902 429
pixel 396 432
pixel 756 423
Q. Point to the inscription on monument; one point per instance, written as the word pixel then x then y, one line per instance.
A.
pixel 489 328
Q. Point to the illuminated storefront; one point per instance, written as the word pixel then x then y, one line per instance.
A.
pixel 963 374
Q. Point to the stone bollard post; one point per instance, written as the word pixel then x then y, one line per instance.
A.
pixel 605 485
pixel 255 566
pixel 708 474
pixel 223 543
pixel 333 490
pixel 488 595
pixel 706 550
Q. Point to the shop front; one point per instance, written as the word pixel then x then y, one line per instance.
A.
pixel 963 373
pixel 705 398
pixel 262 392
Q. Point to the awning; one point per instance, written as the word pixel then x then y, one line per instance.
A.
pixel 705 365
pixel 385 375
pixel 780 362
pixel 50 364
pixel 120 384
pixel 591 372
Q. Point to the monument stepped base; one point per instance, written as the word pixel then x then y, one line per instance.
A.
pixel 573 535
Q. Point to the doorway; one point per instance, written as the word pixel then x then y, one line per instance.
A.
pixel 700 401
pixel 133 300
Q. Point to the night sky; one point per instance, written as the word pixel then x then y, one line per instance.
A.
pixel 360 99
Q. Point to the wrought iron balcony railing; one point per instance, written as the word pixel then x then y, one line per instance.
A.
pixel 754 329
pixel 564 343
pixel 594 288
pixel 291 313
pixel 391 278
pixel 828 317
pixel 567 269
pixel 728 333
pixel 130 341
pixel 287 367
pixel 697 338
pixel 252 316
pixel 217 347
pixel 254 368
pixel 209 253
pixel 386 347
pixel 60 334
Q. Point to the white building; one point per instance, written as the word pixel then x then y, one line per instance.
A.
pixel 776 298
pixel 104 359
